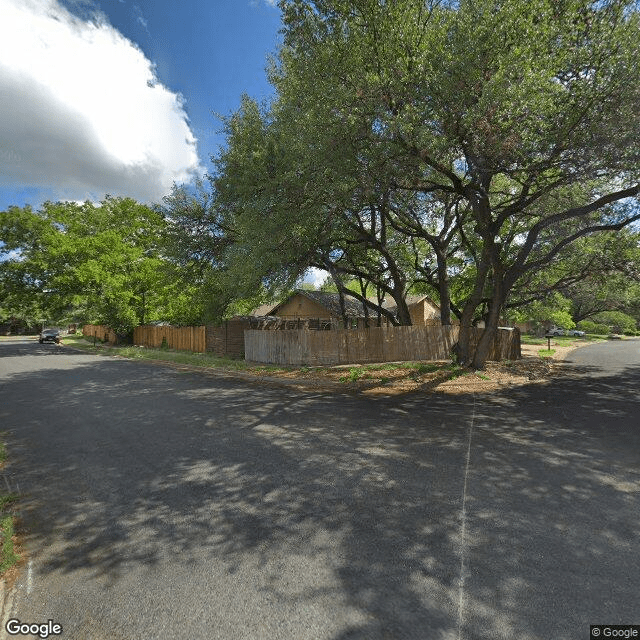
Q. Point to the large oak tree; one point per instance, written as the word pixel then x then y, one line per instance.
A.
pixel 526 112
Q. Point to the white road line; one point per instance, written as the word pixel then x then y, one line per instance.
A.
pixel 463 527
pixel 30 577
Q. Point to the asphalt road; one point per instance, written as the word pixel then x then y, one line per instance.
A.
pixel 178 505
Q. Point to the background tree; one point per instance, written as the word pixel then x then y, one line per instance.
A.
pixel 611 278
pixel 595 273
pixel 617 321
pixel 101 263
pixel 555 308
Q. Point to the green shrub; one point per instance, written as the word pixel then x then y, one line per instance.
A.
pixel 588 326
pixel 617 321
pixel 602 329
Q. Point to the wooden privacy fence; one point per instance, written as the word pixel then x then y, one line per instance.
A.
pixel 180 338
pixel 227 339
pixel 378 344
pixel 101 332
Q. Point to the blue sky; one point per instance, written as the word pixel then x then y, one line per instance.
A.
pixel 116 96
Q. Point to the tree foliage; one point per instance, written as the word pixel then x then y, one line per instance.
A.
pixel 102 263
pixel 596 273
pixel 617 321
pixel 461 146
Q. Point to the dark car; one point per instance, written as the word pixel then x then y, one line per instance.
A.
pixel 50 335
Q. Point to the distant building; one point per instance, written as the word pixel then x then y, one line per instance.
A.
pixel 422 310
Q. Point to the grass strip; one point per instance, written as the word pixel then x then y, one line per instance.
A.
pixel 8 556
pixel 166 355
pixel 562 341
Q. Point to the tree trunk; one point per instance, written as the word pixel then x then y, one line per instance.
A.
pixel 443 288
pixel 502 284
pixel 403 315
pixel 462 348
pixel 380 298
pixel 343 309
pixel 489 259
pixel 363 291
pixel 488 335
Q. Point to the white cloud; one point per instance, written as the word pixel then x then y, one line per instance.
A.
pixel 82 112
pixel 316 276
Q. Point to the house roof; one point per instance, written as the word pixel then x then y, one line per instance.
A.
pixel 391 305
pixel 263 310
pixel 330 301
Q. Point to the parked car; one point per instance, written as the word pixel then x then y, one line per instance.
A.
pixel 575 332
pixel 50 335
pixel 556 331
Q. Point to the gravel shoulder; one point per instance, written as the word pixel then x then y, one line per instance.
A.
pixel 391 379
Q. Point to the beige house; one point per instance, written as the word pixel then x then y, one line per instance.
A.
pixel 422 310
pixel 319 305
pixel 323 305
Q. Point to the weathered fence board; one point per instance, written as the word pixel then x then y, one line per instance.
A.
pixel 227 340
pixel 100 332
pixel 179 338
pixel 378 344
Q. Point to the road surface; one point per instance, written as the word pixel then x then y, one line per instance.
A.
pixel 176 505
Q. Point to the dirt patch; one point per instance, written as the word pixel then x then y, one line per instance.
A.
pixel 441 377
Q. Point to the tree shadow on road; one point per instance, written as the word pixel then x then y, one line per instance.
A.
pixel 341 511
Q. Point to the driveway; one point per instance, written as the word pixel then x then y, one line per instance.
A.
pixel 167 504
